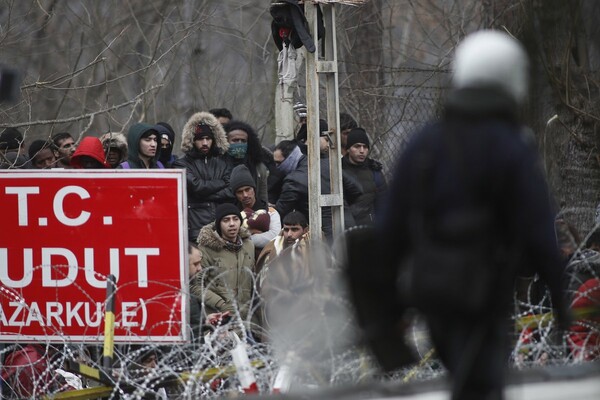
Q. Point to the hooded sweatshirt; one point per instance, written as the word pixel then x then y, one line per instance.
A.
pixel 166 156
pixel 207 175
pixel 92 147
pixel 134 136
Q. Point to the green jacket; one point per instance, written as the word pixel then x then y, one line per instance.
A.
pixel 228 276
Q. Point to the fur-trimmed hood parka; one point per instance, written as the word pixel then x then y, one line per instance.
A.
pixel 115 140
pixel 220 144
pixel 207 175
pixel 208 237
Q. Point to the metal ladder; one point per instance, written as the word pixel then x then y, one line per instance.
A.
pixel 323 66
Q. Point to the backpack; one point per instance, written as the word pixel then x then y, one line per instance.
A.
pixel 455 270
pixel 125 165
pixel 289 25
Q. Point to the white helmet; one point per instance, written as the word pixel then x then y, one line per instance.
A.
pixel 492 58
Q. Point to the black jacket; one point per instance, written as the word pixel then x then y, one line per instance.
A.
pixel 370 177
pixel 207 179
pixel 294 193
pixel 207 176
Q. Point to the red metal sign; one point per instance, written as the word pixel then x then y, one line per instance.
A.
pixel 63 232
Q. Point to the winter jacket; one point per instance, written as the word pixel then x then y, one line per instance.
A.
pixel 294 193
pixel 13 159
pixel 207 176
pixel 117 141
pixel 351 191
pixel 372 182
pixel 133 148
pixel 228 276
pixel 91 147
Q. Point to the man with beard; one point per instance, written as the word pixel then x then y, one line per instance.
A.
pixel 294 232
pixel 65 146
pixel 204 143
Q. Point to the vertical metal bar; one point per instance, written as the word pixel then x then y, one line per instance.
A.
pixel 312 104
pixel 109 323
pixel 333 116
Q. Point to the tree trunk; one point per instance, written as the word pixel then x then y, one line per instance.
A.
pixel 565 108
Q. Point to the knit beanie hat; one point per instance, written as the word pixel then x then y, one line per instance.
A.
pixel 10 139
pixel 357 135
pixel 241 176
pixel 302 134
pixel 224 210
pixel 202 130
pixel 259 219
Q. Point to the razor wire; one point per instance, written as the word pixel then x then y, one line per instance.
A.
pixel 310 342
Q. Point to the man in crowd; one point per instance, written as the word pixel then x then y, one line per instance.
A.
pixel 204 143
pixel 347 123
pixel 262 220
pixel 65 146
pixel 294 193
pixel 115 148
pixel 366 172
pixel 294 232
pixel 89 154
pixel 167 140
pixel 42 154
pixel 223 115
pixel 245 149
pixel 142 148
pixel 195 267
pixel 227 263
pixel 12 149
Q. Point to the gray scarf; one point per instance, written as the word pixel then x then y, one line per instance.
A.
pixel 291 162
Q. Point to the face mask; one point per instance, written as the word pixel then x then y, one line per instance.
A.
pixel 238 150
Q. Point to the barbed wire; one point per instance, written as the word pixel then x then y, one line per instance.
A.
pixel 311 336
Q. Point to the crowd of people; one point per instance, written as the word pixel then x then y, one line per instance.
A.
pixel 468 213
pixel 247 202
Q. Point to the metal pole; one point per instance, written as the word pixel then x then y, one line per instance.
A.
pixel 109 324
pixel 333 118
pixel 312 125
